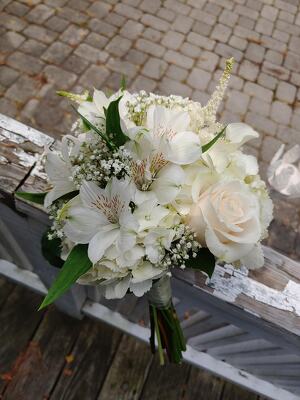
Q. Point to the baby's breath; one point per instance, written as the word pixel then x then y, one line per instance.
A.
pixel 56 230
pixel 183 247
pixel 99 164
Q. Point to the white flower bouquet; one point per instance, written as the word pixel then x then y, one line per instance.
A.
pixel 148 183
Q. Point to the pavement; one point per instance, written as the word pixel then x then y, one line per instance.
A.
pixel 168 46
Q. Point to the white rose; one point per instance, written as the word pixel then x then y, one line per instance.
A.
pixel 226 219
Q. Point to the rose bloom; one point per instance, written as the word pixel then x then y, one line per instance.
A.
pixel 226 219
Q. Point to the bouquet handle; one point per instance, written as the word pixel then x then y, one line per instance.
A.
pixel 164 323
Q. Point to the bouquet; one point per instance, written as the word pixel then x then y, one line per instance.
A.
pixel 145 184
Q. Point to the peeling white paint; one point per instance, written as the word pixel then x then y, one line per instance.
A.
pixel 25 159
pixel 39 170
pixel 3 160
pixel 229 288
pixel 25 133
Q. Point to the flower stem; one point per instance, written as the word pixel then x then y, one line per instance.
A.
pixel 159 345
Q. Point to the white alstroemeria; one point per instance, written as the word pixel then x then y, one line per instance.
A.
pixel 165 139
pixel 239 133
pixel 59 169
pixel 104 218
pixel 168 183
pixel 95 109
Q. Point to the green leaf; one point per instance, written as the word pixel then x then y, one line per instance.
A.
pixel 88 124
pixel 113 126
pixel 123 83
pixel 34 197
pixel 76 265
pixel 208 145
pixel 204 261
pixel 68 196
pixel 51 250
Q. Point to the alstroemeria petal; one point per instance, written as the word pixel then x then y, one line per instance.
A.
pixel 168 183
pixel 100 100
pixel 60 189
pixel 185 148
pixel 239 133
pixel 82 224
pixel 90 194
pixel 100 242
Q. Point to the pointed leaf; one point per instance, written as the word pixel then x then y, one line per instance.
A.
pixel 51 250
pixel 76 265
pixel 204 261
pixel 123 83
pixel 208 145
pixel 94 128
pixel 113 125
pixel 34 197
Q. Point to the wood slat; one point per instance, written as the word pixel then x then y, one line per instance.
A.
pixel 44 357
pixel 6 288
pixel 128 371
pixel 92 355
pixel 247 346
pixel 202 385
pixel 165 383
pixel 18 321
pixel 233 392
pixel 20 148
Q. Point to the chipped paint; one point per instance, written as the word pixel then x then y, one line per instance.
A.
pixel 229 288
pixel 39 169
pixel 20 132
pixel 3 160
pixel 25 159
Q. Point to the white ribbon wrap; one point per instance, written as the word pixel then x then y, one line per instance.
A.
pixel 160 295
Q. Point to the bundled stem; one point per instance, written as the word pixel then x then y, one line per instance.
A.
pixel 165 325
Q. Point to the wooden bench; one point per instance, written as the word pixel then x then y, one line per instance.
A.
pixel 242 327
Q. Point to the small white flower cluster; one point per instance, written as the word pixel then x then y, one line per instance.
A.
pixel 139 103
pixel 183 247
pixel 99 164
pixel 57 224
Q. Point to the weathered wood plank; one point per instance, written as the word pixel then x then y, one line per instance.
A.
pixel 165 383
pixel 6 288
pixel 128 371
pixel 20 147
pixel 44 357
pixel 274 309
pixel 92 354
pixel 233 392
pixel 18 322
pixel 203 385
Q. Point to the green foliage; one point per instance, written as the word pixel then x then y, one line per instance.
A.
pixel 76 265
pixel 37 198
pixel 123 83
pixel 89 125
pixel 113 126
pixel 208 145
pixel 204 261
pixel 51 250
